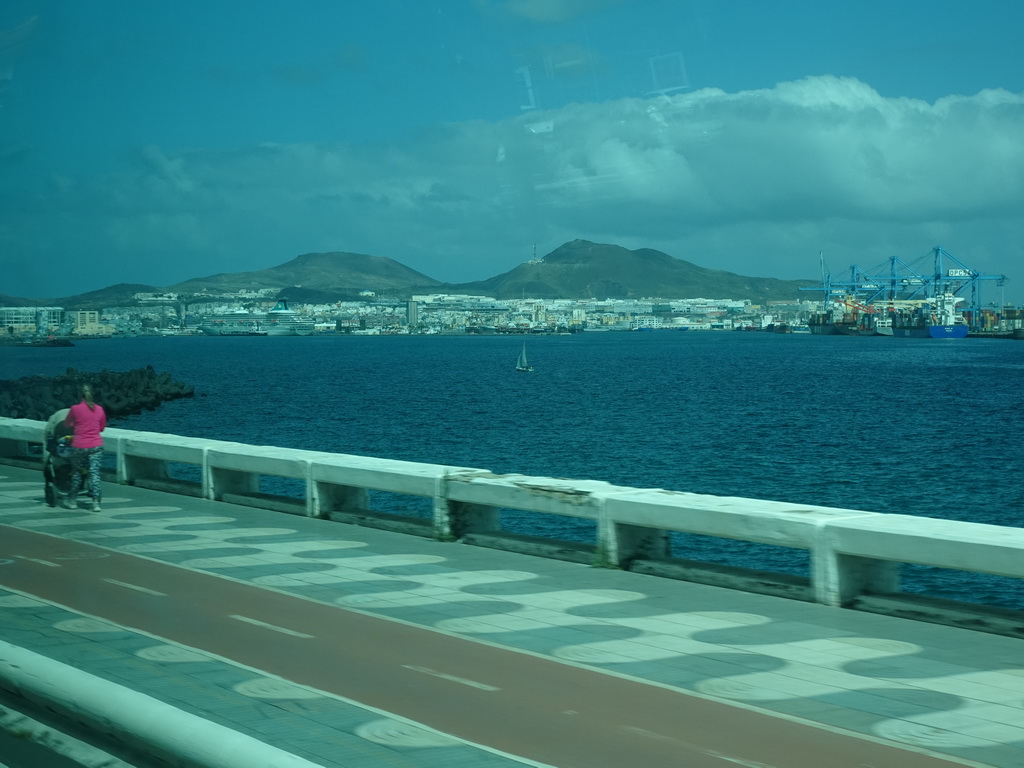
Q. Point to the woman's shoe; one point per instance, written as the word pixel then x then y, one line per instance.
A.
pixel 96 506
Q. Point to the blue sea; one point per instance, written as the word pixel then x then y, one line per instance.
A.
pixel 910 426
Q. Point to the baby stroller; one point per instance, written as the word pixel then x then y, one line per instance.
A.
pixel 57 467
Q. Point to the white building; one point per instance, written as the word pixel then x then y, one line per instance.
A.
pixel 30 320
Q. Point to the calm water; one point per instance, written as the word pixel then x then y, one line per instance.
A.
pixel 909 426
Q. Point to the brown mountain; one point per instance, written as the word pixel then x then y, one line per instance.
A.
pixel 18 301
pixel 120 295
pixel 576 270
pixel 582 269
pixel 318 276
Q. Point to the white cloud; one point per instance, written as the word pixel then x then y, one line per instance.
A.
pixel 756 182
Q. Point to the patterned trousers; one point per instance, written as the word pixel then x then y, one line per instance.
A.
pixel 83 459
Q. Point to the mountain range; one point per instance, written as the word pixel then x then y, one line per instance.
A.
pixel 576 270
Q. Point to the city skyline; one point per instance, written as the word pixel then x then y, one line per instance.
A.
pixel 153 144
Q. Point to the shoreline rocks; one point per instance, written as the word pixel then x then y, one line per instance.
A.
pixel 120 393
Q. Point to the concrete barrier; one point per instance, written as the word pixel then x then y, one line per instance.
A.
pixel 142 723
pixel 852 552
pixel 855 553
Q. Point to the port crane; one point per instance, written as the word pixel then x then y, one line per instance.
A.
pixel 898 283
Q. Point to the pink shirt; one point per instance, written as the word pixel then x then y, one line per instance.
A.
pixel 87 423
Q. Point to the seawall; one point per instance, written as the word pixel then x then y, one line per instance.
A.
pixel 854 554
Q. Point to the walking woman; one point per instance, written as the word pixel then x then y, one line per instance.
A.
pixel 87 420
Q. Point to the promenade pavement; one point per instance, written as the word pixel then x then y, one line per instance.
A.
pixel 930 689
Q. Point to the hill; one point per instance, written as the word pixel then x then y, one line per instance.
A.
pixel 576 270
pixel 18 301
pixel 318 277
pixel 582 269
pixel 120 295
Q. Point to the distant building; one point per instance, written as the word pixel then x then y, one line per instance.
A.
pixel 154 297
pixel 87 322
pixel 30 320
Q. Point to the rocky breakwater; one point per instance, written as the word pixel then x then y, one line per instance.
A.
pixel 120 393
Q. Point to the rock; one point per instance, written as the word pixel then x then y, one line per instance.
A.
pixel 120 393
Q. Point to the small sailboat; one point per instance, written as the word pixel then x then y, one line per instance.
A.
pixel 523 364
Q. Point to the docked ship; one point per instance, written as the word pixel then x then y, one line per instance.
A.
pixel 836 320
pixel 936 318
pixel 236 323
pixel 283 321
pixel 875 323
pixel 824 324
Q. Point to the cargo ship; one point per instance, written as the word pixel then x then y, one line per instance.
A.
pixel 936 318
pixel 841 317
pixel 833 323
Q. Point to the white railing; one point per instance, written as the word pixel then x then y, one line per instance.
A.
pixel 852 552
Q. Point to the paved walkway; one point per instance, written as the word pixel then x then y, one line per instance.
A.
pixel 933 689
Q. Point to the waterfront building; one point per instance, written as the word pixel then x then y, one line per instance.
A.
pixel 30 320
pixel 88 322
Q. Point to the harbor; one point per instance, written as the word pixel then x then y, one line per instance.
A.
pixel 902 300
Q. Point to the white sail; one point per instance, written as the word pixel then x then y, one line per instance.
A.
pixel 523 364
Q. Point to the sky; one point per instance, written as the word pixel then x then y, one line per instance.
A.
pixel 156 142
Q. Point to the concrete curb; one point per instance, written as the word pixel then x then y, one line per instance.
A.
pixel 139 721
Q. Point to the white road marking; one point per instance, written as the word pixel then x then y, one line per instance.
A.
pixel 453 678
pixel 37 560
pixel 709 752
pixel 264 624
pixel 738 761
pixel 653 735
pixel 136 587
